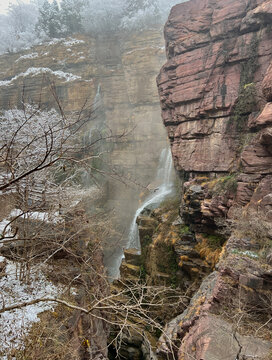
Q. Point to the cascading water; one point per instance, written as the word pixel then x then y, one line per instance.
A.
pixel 98 99
pixel 164 178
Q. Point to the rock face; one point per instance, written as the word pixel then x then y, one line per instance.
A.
pixel 117 72
pixel 215 92
pixel 212 48
pixel 206 330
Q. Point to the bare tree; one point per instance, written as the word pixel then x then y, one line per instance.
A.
pixel 41 155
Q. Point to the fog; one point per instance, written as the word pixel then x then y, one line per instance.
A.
pixel 29 23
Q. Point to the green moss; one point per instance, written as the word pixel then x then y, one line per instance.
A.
pixel 214 241
pixel 226 184
pixel 184 230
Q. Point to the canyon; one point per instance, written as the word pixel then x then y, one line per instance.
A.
pixel 209 245
pixel 113 76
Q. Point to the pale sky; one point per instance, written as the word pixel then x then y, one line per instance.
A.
pixel 4 5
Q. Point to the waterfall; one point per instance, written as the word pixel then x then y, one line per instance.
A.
pixel 164 178
pixel 98 99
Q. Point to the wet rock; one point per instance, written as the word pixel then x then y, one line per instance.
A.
pixel 129 272
pixel 211 334
pixel 132 256
pixel 147 221
pixel 266 139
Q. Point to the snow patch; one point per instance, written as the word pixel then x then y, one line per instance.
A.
pixel 33 71
pixel 28 56
pixel 53 42
pixel 15 324
pixel 38 215
pixel 65 42
pixel 72 42
pixel 5 227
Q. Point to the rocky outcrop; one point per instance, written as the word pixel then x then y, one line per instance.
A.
pixel 215 92
pixel 211 321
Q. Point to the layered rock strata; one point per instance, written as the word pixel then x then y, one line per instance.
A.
pixel 210 45
pixel 215 92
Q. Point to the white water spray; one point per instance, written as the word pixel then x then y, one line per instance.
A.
pixel 98 99
pixel 164 178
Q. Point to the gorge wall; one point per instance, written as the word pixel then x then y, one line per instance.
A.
pixel 115 74
pixel 215 93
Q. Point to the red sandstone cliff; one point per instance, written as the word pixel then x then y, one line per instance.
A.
pixel 207 42
pixel 216 100
pixel 215 92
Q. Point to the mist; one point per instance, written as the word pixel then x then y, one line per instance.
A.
pixel 28 24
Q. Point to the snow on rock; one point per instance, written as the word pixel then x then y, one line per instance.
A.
pixel 72 42
pixel 14 325
pixel 53 42
pixel 41 70
pixel 69 42
pixel 28 56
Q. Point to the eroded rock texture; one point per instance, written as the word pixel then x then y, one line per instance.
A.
pixel 215 92
pixel 212 47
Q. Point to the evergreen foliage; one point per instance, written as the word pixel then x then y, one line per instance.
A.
pixel 49 20
pixel 71 16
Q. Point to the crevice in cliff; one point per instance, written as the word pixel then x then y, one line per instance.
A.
pixel 240 347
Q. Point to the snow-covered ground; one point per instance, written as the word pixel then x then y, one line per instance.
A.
pixel 14 325
pixel 38 215
pixel 5 228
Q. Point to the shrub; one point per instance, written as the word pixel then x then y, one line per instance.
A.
pixel 223 185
